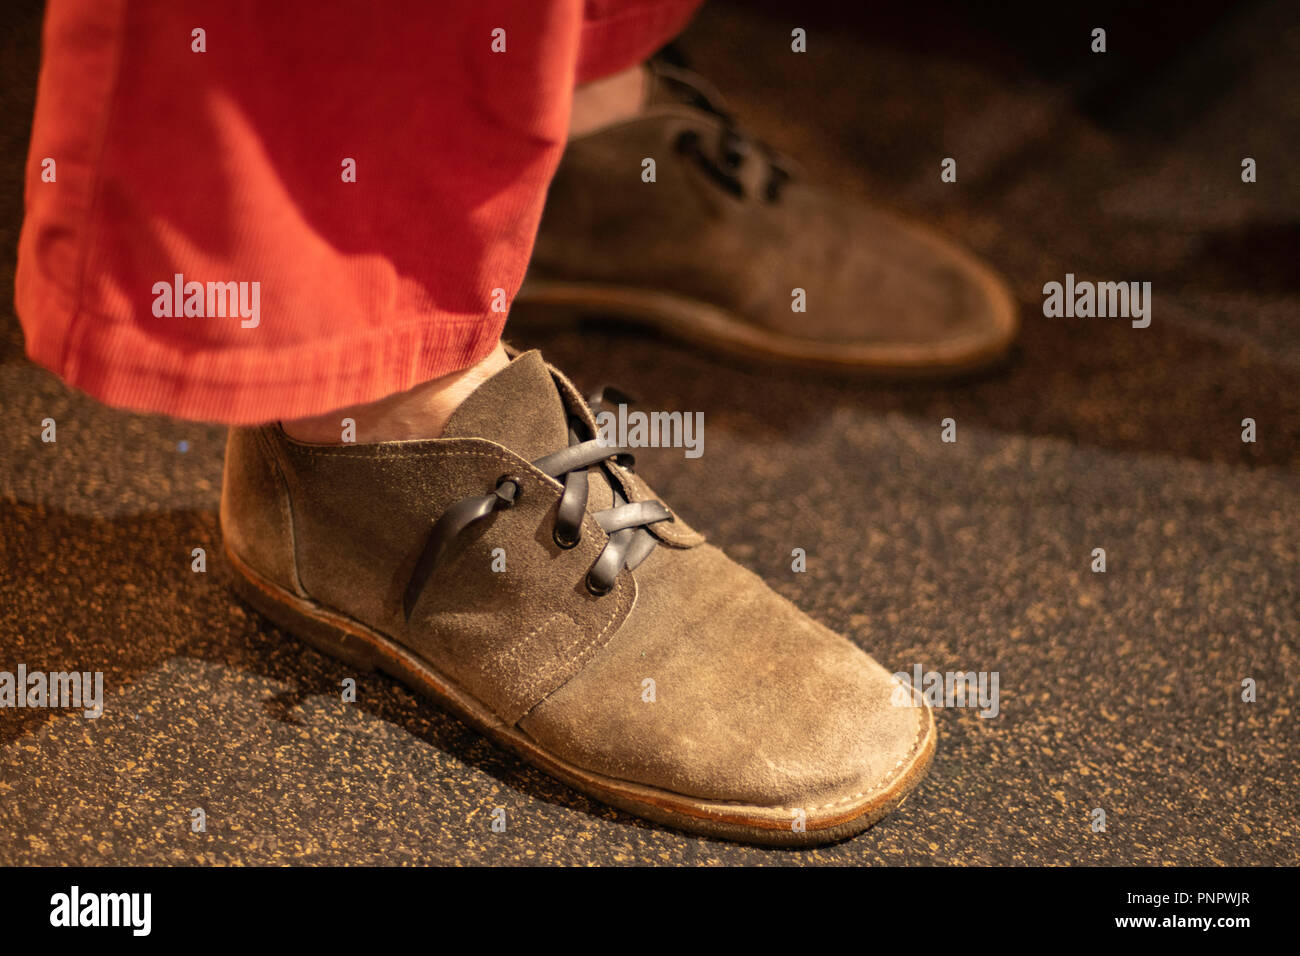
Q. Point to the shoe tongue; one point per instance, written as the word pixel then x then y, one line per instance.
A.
pixel 518 407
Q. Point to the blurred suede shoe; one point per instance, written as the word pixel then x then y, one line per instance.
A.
pixel 517 572
pixel 713 250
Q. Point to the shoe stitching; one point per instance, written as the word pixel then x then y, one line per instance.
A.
pixel 619 615
pixel 545 674
pixel 588 522
pixel 421 453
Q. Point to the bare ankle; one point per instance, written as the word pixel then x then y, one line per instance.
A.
pixel 419 412
pixel 608 100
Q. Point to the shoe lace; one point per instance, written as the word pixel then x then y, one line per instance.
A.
pixel 735 147
pixel 625 522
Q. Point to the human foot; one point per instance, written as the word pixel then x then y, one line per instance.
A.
pixel 419 412
pixel 609 100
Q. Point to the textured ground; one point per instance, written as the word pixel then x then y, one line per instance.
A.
pixel 1119 691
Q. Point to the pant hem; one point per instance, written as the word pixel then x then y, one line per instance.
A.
pixel 120 364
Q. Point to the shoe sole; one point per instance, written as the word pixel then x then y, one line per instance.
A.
pixel 714 327
pixel 362 647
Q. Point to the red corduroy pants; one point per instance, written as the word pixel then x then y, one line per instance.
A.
pixel 250 210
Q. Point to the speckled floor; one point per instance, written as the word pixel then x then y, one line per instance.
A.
pixel 1119 691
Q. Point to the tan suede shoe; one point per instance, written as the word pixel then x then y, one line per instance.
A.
pixel 728 249
pixel 518 574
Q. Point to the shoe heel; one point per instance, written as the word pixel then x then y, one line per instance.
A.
pixel 299 618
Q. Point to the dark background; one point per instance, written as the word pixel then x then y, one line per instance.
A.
pixel 1119 691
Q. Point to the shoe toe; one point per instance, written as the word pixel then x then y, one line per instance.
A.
pixel 717 688
pixel 875 280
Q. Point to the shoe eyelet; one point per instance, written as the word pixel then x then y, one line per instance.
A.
pixel 565 542
pixel 510 480
pixel 596 589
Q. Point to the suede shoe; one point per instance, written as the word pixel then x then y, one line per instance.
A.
pixel 518 572
pixel 729 248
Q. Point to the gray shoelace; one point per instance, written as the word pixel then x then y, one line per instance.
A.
pixel 735 148
pixel 629 542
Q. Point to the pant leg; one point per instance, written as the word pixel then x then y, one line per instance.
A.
pixel 228 166
pixel 619 33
